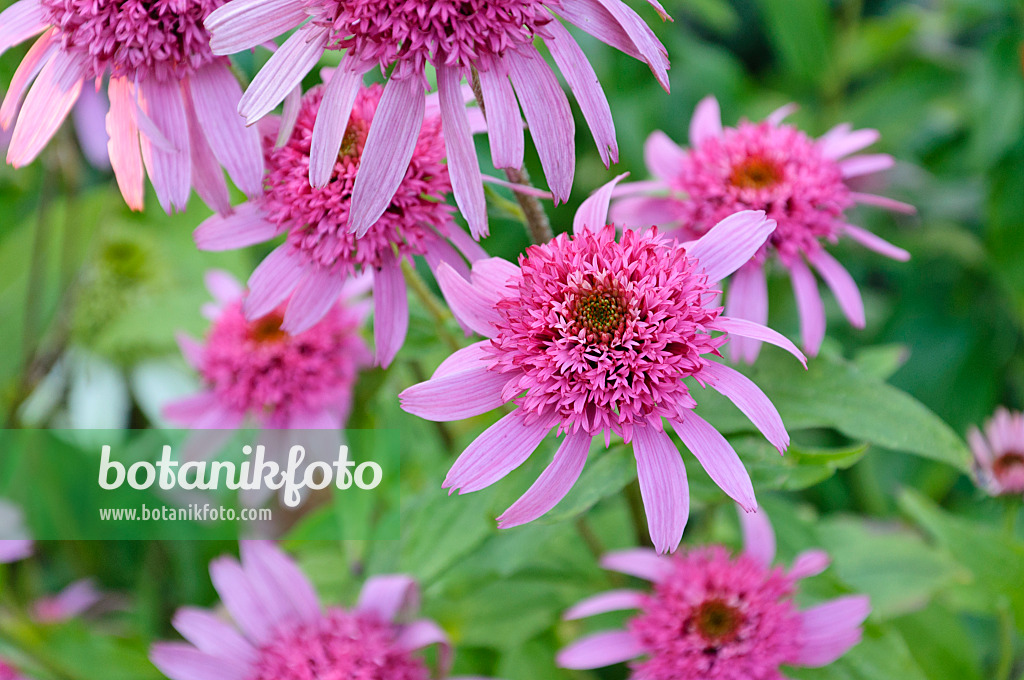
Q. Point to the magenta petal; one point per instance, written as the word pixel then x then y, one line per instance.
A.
pixel 600 649
pixel 843 286
pixel 749 399
pixel 389 148
pixel 284 588
pixel 809 563
pixel 875 243
pixel 747 300
pixel 468 303
pixel 749 329
pixel 283 71
pixel 463 167
pixel 717 457
pixel 244 24
pixel 456 396
pixel 48 103
pixel 549 116
pixel 731 243
pixel 465 359
pixel 609 601
pixel 241 599
pixel 758 537
pixel 494 276
pixel 244 227
pixel 662 156
pixel 19 22
pixel 179 661
pixel 662 486
pixel 423 633
pixel 212 635
pixel 332 120
pixel 504 124
pixel 639 562
pixel 809 306
pixel 273 281
pixel 501 448
pixel 639 212
pixel 831 629
pixel 391 309
pixel 169 170
pixel 389 596
pixel 706 121
pixel 553 483
pixel 313 298
pixel 593 212
pixel 123 147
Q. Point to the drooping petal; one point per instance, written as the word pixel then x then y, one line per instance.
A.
pixel 244 227
pixel 206 174
pixel 717 457
pixel 179 661
pixel 662 486
pixel 758 537
pixel 123 147
pixel 456 396
pixel 809 563
pixel 844 143
pixel 501 448
pixel 593 212
pixel 49 100
pixel 875 243
pixel 212 635
pixel 283 71
pixel 731 243
pixel 809 306
pixel 244 24
pixel 858 166
pixel 599 650
pixel 313 298
pixel 468 303
pixel 273 281
pixel 640 562
pixel 390 309
pixel 463 167
pixel 332 120
pixel 37 56
pixel 280 581
pixel 170 170
pixel 389 596
pixel 549 116
pixel 504 124
pixel 748 300
pixel 19 22
pixel 749 329
pixel 749 399
pixel 843 286
pixel 609 601
pixel 553 483
pixel 706 121
pixel 829 630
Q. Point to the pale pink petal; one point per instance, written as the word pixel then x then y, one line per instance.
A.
pixel 223 286
pixel 465 359
pixel 456 396
pixel 123 147
pixel 749 329
pixel 215 94
pixel 244 227
pixel 843 286
pixel 609 601
pixel 593 212
pixel 289 116
pixel 463 167
pixel 389 596
pixel 858 166
pixel 89 116
pixel 241 599
pixel 662 486
pixel 706 121
pixel 883 202
pixel 662 156
pixel 494 276
pixel 731 243
pixel 979 447
pixel 389 148
pixel 875 243
pixel 758 537
pixel 37 56
pixel 332 120
pixel 468 303
pixel 49 100
pixel 465 243
pixel 809 306
pixel 809 563
pixel 438 251
pixel 273 281
pixel 285 589
pixel 842 143
pixel 717 457
pixel 644 211
pixel 782 113
pixel 186 411
pixel 391 309
pixel 179 661
pixel 586 87
pixel 207 175
pixel 73 601
pixel 829 630
pixel 313 298
pixel 244 24
pixel 749 399
pixel 518 188
pixel 501 448
pixel 170 171
pixel 19 22
pixel 639 562
pixel 283 71
pixel 592 17
pixel 191 349
pixel 747 300
pixel 645 45
pixel 599 649
pixel 423 633
pixel 553 483
pixel 549 116
pixel 212 635
pixel 14 549
pixel 504 124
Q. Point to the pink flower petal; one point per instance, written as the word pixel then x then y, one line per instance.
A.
pixel 89 116
pixel 717 457
pixel 706 121
pixel 423 633
pixel 749 329
pixel 242 600
pixel 831 629
pixel 273 281
pixel 14 549
pixel 285 589
pixel 465 359
pixel 842 143
pixel 809 306
pixel 875 243
pixel 391 309
pixel 858 166
pixel 600 649
pixel 186 411
pixel 48 103
pixel 553 483
pixel 463 167
pixel 501 448
pixel 184 662
pixel 662 486
pixel 170 171
pixel 332 120
pixel 843 286
pixel 456 396
pixel 191 349
pixel 747 300
pixel 519 188
pixel 206 175
pixel 609 601
pixel 731 243
pixel 883 202
pixel 782 113
pixel 662 156
pixel 504 124
pixel 639 562
pixel 123 147
pixel 809 563
pixel 639 212
pixel 283 71
pixel 19 22
pixel 469 303
pixel 313 298
pixel 495 276
pixel 758 537
pixel 749 399
pixel 244 24
pixel 593 212
pixel 389 596
pixel 212 635
pixel 223 286
pixel 37 56
pixel 69 603
pixel 640 39
pixel 244 227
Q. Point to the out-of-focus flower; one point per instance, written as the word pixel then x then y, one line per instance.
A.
pixel 8 672
pixel 597 336
pixel 308 271
pixel 718 617
pixel 73 601
pixel 283 633
pixel 999 453
pixel 15 543
pixel 800 182
pixel 456 37
pixel 172 102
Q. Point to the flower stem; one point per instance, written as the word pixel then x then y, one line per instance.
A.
pixel 430 303
pixel 1005 666
pixel 585 531
pixel 639 516
pixel 536 221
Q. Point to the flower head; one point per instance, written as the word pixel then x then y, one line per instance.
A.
pixel 715 616
pixel 598 336
pixel 168 93
pixel 803 184
pixel 283 633
pixel 255 370
pixel 999 453
pixel 320 253
pixel 458 38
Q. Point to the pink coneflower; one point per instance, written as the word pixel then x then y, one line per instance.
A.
pixel 168 93
pixel 800 182
pixel 717 617
pixel 283 633
pixel 455 36
pixel 320 253
pixel 597 336
pixel 254 370
pixel 999 453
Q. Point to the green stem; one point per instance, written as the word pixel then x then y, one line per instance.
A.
pixel 1011 509
pixel 585 531
pixel 638 514
pixel 1005 643
pixel 430 303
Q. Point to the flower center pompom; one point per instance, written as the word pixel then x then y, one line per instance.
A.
pixel 255 367
pixel 603 332
pixel 137 39
pixel 718 618
pixel 761 166
pixel 413 32
pixel 317 219
pixel 338 645
pixel 1008 469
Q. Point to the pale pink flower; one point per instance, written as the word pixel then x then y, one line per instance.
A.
pixel 596 336
pixel 307 272
pixel 717 617
pixel 454 36
pixel 172 102
pixel 255 371
pixel 282 632
pixel 804 184
pixel 999 453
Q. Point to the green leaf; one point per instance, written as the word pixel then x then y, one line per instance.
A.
pixel 802 34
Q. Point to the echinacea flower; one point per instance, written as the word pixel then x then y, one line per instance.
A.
pixel 282 632
pixel 456 37
pixel 254 371
pixel 320 253
pixel 999 453
pixel 801 183
pixel 172 101
pixel 717 617
pixel 597 336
